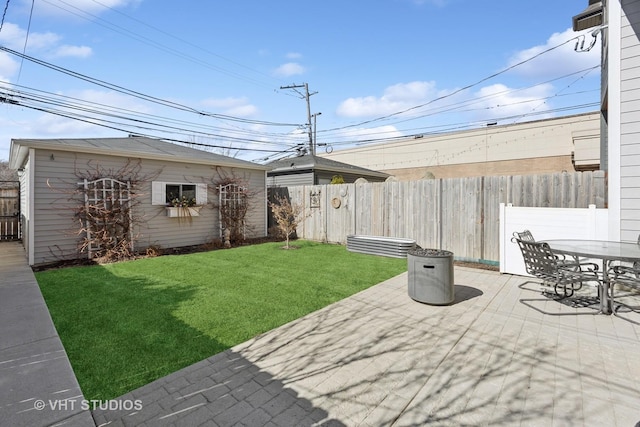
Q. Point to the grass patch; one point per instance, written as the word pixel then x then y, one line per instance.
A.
pixel 124 325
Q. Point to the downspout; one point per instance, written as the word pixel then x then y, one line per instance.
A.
pixel 31 208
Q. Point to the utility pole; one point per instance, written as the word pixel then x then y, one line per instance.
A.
pixel 305 96
pixel 315 127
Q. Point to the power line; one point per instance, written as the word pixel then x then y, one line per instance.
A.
pixel 457 107
pixel 560 91
pixel 112 125
pixel 181 39
pixel 455 92
pixel 26 39
pixel 107 114
pixel 154 43
pixel 451 127
pixel 139 95
pixel 58 100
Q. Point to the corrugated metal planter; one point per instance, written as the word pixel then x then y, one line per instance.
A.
pixel 378 245
pixel 430 274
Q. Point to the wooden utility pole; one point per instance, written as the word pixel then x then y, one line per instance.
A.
pixel 306 95
pixel 315 139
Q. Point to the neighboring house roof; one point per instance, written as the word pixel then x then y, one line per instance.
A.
pixel 311 162
pixel 140 147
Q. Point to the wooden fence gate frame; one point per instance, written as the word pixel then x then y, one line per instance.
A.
pixel 10 223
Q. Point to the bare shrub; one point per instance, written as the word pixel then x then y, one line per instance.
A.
pixel 287 216
pixel 234 208
pixel 108 216
pixel 103 203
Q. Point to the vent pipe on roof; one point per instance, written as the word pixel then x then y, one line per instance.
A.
pixel 592 16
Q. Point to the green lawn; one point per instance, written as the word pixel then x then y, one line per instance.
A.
pixel 124 325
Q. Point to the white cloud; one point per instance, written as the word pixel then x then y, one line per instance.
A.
pixel 396 98
pixel 289 69
pixel 239 107
pixel 8 66
pixel 41 41
pixel 560 61
pixel 72 51
pixel 51 125
pixel 497 100
pixel 12 36
pixel 243 111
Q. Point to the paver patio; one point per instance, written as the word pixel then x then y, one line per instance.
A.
pixel 379 358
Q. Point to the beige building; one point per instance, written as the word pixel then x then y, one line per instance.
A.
pixel 544 146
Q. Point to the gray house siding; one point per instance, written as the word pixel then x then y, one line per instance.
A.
pixel 630 124
pixel 291 179
pixel 56 233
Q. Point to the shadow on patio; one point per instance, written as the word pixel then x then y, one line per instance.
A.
pixel 380 358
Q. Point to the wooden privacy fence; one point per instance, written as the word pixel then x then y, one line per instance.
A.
pixel 457 214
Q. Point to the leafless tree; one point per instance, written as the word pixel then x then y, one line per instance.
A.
pixel 287 216
pixel 7 174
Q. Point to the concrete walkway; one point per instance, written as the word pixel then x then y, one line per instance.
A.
pixel 35 373
pixel 503 354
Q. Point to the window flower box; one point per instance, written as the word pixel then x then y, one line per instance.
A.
pixel 183 211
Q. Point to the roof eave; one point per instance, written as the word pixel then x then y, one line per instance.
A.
pixel 17 155
pixel 24 145
pixel 284 170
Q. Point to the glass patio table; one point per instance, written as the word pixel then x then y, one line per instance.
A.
pixel 599 249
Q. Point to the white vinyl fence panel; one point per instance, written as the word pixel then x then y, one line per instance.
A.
pixel 547 224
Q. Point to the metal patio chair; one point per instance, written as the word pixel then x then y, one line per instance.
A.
pixel 573 262
pixel 627 279
pixel 523 235
pixel 542 263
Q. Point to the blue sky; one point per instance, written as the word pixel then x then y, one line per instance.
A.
pixel 211 72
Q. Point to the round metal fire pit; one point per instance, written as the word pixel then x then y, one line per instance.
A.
pixel 431 276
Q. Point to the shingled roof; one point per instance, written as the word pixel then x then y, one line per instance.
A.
pixel 142 147
pixel 311 162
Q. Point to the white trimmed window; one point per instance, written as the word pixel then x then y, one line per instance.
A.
pixel 163 192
